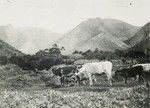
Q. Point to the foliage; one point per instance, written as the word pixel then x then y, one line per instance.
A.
pixel 134 54
pixel 13 77
pixel 102 55
pixel 44 59
pixel 3 60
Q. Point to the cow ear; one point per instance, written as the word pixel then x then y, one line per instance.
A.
pixel 78 67
pixel 76 73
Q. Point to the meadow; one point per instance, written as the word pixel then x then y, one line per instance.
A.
pixel 23 89
pixel 77 97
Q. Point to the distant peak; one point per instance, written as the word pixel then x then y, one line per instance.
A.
pixel 93 20
pixel 8 26
pixel 147 24
pixel 97 19
pixel 146 27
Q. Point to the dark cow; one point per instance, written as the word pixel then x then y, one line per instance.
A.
pixel 147 78
pixel 130 72
pixel 64 71
pixel 146 72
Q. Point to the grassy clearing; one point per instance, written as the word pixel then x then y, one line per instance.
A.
pixel 132 97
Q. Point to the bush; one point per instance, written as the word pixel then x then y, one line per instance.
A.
pixel 41 60
pixel 3 60
pixel 14 77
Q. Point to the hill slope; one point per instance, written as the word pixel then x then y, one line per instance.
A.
pixel 8 50
pixel 28 39
pixel 141 39
pixel 105 34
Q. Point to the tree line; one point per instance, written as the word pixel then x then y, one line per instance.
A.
pixel 45 59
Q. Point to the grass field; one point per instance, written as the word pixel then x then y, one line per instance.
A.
pixel 77 97
pixel 21 89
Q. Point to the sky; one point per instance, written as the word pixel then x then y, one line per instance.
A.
pixel 63 15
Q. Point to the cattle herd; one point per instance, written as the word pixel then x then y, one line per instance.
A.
pixel 87 71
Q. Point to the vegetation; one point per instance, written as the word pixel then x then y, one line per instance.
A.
pixel 101 55
pixel 117 54
pixel 21 86
pixel 3 60
pixel 13 77
pixel 132 97
pixel 44 59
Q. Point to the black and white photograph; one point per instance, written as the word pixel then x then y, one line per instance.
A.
pixel 74 53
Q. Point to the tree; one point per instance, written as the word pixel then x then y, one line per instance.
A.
pixel 62 49
pixel 96 53
pixel 147 49
pixel 118 53
pixel 75 52
pixel 88 54
pixel 55 50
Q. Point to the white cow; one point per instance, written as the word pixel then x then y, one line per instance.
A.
pixel 89 69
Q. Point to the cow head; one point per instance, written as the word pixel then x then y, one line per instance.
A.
pixel 80 75
pixel 79 66
pixel 118 75
pixel 76 71
pixel 80 78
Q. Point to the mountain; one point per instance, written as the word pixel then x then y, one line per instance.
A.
pixel 105 34
pixel 141 40
pixel 119 28
pixel 28 39
pixel 7 50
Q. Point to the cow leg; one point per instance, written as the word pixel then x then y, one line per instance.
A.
pixel 77 80
pixel 110 82
pixel 109 79
pixel 91 81
pixel 147 84
pixel 145 79
pixel 77 83
pixel 94 78
pixel 125 80
pixel 141 79
pixel 62 81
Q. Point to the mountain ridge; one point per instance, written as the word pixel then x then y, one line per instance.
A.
pixel 22 37
pixel 7 50
pixel 141 40
pixel 90 28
